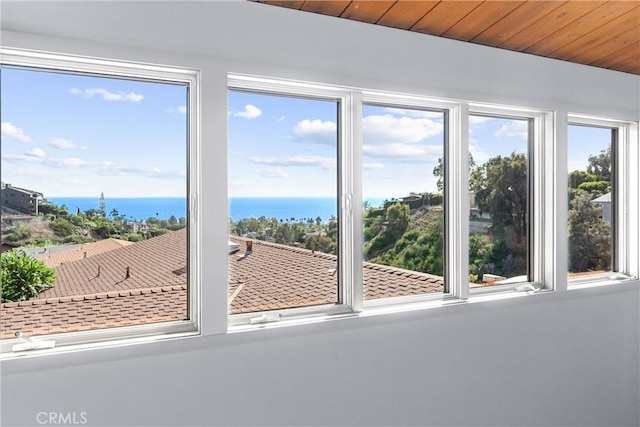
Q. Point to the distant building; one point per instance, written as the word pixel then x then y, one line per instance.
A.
pixel 137 226
pixel 604 202
pixel 21 199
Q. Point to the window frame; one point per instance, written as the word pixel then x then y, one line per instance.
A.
pixel 624 209
pixel 349 285
pixel 128 70
pixel 541 175
pixel 455 119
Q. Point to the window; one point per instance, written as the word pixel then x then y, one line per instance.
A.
pixel 287 207
pixel 602 200
pixel 591 199
pixel 499 200
pixel 98 165
pixel 403 192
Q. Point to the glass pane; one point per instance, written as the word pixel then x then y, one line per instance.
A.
pixel 403 195
pixel 283 218
pixel 590 186
pixel 498 197
pixel 94 209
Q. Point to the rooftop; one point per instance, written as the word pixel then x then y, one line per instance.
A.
pixel 94 292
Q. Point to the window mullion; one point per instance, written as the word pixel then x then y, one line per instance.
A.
pixel 457 201
pixel 350 197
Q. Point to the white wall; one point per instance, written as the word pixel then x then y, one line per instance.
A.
pixel 556 359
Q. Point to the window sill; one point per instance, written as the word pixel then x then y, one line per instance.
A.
pixel 109 351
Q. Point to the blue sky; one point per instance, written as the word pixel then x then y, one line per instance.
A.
pixel 583 141
pixel 69 135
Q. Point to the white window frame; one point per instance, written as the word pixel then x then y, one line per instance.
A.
pixel 625 190
pixel 97 67
pixel 349 194
pixel 541 179
pixel 455 138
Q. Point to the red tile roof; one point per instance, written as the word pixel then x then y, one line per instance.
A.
pixel 78 252
pixel 272 276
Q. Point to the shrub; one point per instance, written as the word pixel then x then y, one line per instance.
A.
pixel 61 227
pixel 23 276
pixel 19 232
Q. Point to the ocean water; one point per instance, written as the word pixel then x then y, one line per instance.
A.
pixel 284 208
pixel 135 208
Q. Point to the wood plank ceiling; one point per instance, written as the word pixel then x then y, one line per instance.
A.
pixel 604 34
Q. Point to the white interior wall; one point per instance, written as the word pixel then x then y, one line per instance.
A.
pixel 554 359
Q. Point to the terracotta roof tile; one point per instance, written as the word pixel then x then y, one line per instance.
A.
pixel 271 277
pixel 78 252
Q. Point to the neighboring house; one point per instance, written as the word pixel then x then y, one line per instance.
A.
pixel 604 202
pixel 137 226
pixel 21 199
pixel 145 282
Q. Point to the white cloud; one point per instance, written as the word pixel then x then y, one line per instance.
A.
pixel 181 109
pixel 577 165
pixel 478 120
pixel 56 162
pixel 479 156
pixel 62 143
pixel 318 131
pixel 273 173
pixel 108 96
pixel 9 130
pixel 110 168
pixel 36 152
pixel 405 152
pixel 302 161
pixel 372 166
pixel 386 129
pixel 281 118
pixel 421 114
pixel 38 157
pixel 513 129
pixel 250 112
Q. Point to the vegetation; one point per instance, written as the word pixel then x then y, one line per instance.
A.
pixel 589 234
pixel 23 276
pixel 409 233
pixel 89 226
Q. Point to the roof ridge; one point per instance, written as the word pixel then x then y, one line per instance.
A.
pixel 286 247
pixel 399 271
pixel 100 295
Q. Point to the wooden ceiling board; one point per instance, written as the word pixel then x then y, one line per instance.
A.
pixel 331 8
pixel 549 24
pixel 484 16
pixel 444 16
pixel 582 26
pixel 622 41
pixel 627 23
pixel 623 57
pixel 600 33
pixel 367 11
pixel 405 14
pixel 511 24
pixel 291 4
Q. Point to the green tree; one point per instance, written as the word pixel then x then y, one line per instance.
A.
pixel 589 236
pixel 600 165
pixel 23 276
pixel 394 225
pixel 500 186
pixel 578 177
